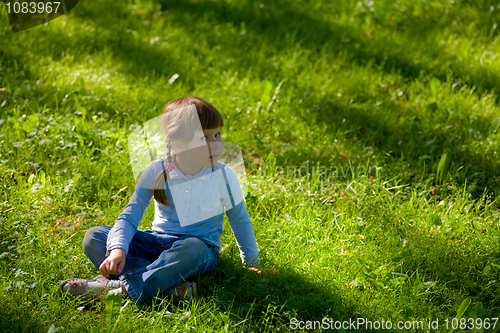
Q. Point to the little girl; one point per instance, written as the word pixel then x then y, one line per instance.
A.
pixel 189 208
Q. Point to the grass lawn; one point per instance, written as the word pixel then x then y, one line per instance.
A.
pixel 370 132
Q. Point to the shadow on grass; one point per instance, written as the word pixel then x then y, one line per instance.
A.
pixel 408 148
pixel 285 24
pixel 419 144
pixel 448 263
pixel 281 24
pixel 18 320
pixel 266 303
pixel 271 23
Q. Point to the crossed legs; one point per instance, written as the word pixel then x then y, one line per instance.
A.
pixel 155 262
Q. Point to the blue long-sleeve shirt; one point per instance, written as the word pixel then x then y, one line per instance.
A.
pixel 197 205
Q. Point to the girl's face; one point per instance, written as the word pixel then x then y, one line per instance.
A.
pixel 202 151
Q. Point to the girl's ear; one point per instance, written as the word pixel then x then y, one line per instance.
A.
pixel 176 146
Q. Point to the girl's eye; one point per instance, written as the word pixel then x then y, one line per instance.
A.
pixel 205 137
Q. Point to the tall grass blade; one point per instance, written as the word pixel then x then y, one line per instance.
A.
pixel 113 304
pixel 441 169
pixel 461 310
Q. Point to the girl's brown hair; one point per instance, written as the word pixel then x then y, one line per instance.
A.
pixel 209 118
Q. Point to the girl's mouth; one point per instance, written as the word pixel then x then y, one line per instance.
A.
pixel 214 156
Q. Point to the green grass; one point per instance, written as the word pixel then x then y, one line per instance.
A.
pixel 395 104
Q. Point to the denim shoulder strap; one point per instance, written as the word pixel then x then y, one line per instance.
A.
pixel 227 184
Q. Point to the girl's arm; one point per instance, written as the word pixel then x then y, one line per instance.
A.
pixel 245 237
pixel 240 221
pixel 243 232
pixel 127 223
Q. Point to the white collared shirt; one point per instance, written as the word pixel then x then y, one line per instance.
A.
pixel 202 197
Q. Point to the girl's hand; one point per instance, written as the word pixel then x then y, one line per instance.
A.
pixel 261 270
pixel 114 263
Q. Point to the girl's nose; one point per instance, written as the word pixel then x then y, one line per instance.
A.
pixel 215 147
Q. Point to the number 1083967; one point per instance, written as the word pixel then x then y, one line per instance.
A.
pixel 40 7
